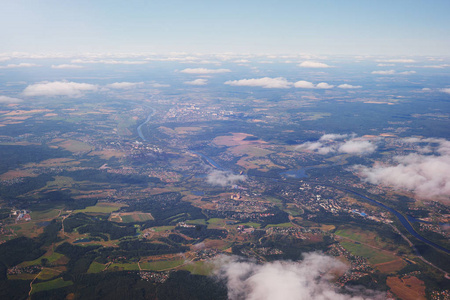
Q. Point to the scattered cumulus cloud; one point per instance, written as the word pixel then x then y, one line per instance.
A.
pixel 124 85
pixel 204 71
pixel 386 72
pixel 67 66
pixel 159 85
pixel 385 65
pixel 224 178
pixel 407 72
pixel 197 82
pixel 446 90
pixel 7 100
pixel 265 82
pixel 21 65
pixel 425 172
pixel 397 60
pixel 324 85
pixel 304 84
pixel 340 143
pixel 313 64
pixel 287 280
pixel 349 86
pixel 109 62
pixel 59 88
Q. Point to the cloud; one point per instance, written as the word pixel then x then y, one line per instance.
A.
pixel 407 72
pixel 265 82
pixel 324 85
pixel 59 88
pixel 397 60
pixel 436 66
pixel 21 65
pixel 387 72
pixel 197 82
pixel 385 65
pixel 304 84
pixel 313 64
pixel 357 147
pixel 123 85
pixel 349 86
pixel 287 280
pixel 224 178
pixel 339 143
pixel 446 90
pixel 427 175
pixel 109 62
pixel 159 85
pixel 66 66
pixel 204 71
pixel 6 99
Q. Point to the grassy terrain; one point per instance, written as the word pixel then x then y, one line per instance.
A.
pixel 50 285
pixel 253 224
pixel 96 267
pixel 44 215
pixel 47 274
pixel 51 258
pixel 162 265
pixel 373 256
pixel 124 267
pixel 163 228
pixel 280 225
pixel 199 268
pixel 196 222
pixel 101 207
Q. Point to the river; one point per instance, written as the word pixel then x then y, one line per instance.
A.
pixel 139 128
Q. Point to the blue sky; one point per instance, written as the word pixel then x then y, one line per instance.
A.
pixel 394 27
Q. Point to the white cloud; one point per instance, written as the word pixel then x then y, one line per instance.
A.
pixel 224 178
pixel 343 143
pixel 349 86
pixel 204 71
pixel 6 99
pixel 386 72
pixel 66 66
pixel 265 82
pixel 324 85
pixel 159 85
pixel 397 60
pixel 357 147
pixel 427 175
pixel 436 66
pixel 407 72
pixel 59 88
pixel 21 65
pixel 446 90
pixel 385 65
pixel 197 82
pixel 109 62
pixel 313 64
pixel 304 84
pixel 287 280
pixel 124 85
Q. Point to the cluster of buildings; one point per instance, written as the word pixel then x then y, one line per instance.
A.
pixel 155 277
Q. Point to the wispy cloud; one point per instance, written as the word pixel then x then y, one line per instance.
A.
pixel 385 72
pixel 204 71
pixel 349 86
pixel 339 143
pixel 288 280
pixel 67 66
pixel 397 60
pixel 124 85
pixel 59 88
pixel 7 100
pixel 313 64
pixel 21 65
pixel 109 62
pixel 265 82
pixel 224 178
pixel 445 90
pixel 197 82
pixel 427 174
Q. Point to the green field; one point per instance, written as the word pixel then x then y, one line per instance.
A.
pixel 50 285
pixel 253 224
pixel 162 265
pixel 50 258
pixel 286 225
pixel 96 267
pixel 47 274
pixel 373 256
pixel 163 228
pixel 124 267
pixel 216 223
pixel 196 222
pixel 199 268
pixel 105 208
pixel 45 214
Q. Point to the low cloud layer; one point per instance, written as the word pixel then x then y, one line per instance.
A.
pixel 286 280
pixel 392 72
pixel 313 64
pixel 67 66
pixel 339 143
pixel 124 85
pixel 197 82
pixel 204 71
pixel 59 88
pixel 265 82
pixel 21 65
pixel 425 172
pixel 224 178
pixel 349 86
pixel 7 100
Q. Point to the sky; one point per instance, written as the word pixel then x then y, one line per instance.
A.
pixel 353 27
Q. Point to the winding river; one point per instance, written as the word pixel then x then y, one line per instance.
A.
pixel 139 128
